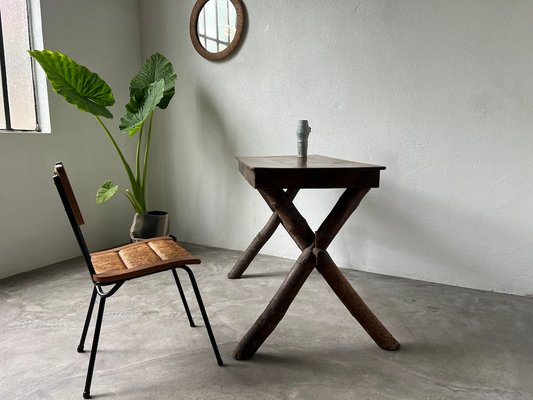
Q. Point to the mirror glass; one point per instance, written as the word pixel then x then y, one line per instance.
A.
pixel 216 27
pixel 217 24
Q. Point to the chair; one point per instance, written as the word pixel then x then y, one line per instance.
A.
pixel 109 270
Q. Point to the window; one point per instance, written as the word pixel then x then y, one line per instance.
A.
pixel 23 96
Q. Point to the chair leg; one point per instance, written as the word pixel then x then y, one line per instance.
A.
pixel 183 299
pixel 87 390
pixel 87 322
pixel 204 314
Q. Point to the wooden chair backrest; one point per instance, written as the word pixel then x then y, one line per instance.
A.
pixel 59 171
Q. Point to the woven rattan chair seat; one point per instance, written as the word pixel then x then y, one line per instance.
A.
pixel 138 259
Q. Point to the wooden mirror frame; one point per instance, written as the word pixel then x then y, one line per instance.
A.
pixel 193 30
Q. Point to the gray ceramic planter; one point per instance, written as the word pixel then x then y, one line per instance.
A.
pixel 149 225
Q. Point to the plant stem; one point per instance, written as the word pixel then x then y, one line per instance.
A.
pixel 138 155
pixel 133 201
pixel 138 166
pixel 145 167
pixel 131 177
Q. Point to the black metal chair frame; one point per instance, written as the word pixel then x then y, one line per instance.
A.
pixel 103 294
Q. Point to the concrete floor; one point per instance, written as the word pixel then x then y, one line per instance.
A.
pixel 456 343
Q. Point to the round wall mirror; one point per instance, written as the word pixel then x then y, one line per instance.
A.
pixel 216 27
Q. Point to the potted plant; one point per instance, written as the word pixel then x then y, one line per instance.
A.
pixel 152 87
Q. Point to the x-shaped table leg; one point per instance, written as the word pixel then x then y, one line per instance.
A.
pixel 259 241
pixel 314 255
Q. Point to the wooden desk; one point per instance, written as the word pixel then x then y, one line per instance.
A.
pixel 270 176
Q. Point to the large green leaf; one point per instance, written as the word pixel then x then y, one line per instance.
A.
pixel 155 68
pixel 79 86
pixel 106 191
pixel 132 121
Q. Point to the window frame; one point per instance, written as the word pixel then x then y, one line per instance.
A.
pixel 42 111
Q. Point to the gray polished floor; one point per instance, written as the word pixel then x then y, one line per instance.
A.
pixel 456 343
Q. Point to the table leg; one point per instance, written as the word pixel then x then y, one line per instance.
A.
pixel 291 219
pixel 313 255
pixel 277 307
pixel 259 241
pixel 339 214
pixel 353 302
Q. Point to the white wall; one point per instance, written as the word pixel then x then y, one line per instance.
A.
pixel 439 92
pixel 103 35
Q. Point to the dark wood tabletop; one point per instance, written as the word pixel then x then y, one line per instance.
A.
pixel 312 172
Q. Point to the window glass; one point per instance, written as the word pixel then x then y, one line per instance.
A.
pixel 18 108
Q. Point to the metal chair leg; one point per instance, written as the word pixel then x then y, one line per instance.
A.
pixel 183 299
pixel 87 322
pixel 87 390
pixel 204 314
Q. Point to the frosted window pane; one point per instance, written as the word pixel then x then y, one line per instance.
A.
pixel 232 21
pixel 212 46
pixel 223 33
pixel 2 115
pixel 18 64
pixel 211 19
pixel 201 23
